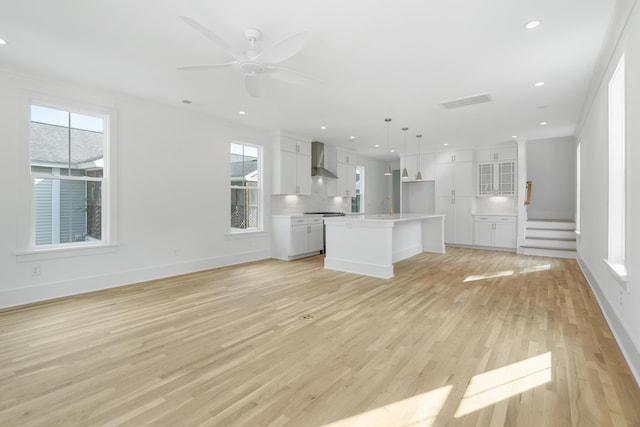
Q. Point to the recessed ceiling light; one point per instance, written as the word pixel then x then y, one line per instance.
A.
pixel 242 113
pixel 323 127
pixel 186 101
pixel 3 41
pixel 352 137
pixel 532 24
pixel 514 136
pixel 392 150
pixel 377 145
pixel 543 123
pixel 538 84
pixel 446 144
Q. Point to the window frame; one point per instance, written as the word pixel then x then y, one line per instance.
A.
pixel 617 175
pixel 27 248
pixel 259 188
pixel 359 195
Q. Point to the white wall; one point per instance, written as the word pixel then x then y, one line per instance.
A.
pixel 419 197
pixel 551 165
pixel 620 306
pixel 172 193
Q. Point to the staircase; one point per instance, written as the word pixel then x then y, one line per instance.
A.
pixel 550 237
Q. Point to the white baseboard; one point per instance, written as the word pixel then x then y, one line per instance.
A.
pixel 356 267
pixel 629 350
pixel 46 291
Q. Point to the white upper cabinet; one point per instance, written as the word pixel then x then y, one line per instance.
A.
pixel 496 171
pixel 292 165
pixel 345 156
pixel 454 174
pixel 455 156
pixel 495 154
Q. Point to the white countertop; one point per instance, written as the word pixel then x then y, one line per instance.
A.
pixel 380 218
pixel 495 214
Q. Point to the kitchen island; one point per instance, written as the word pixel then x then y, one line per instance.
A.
pixel 370 244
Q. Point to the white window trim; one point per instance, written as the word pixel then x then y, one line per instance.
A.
pixel 616 253
pixel 260 228
pixel 578 187
pixel 27 249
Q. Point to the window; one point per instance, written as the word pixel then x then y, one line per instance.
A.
pixel 578 184
pixel 245 187
pixel 617 172
pixel 357 202
pixel 68 177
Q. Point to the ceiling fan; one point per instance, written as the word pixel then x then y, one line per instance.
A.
pixel 253 62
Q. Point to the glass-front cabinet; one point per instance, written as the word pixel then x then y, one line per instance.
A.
pixel 497 178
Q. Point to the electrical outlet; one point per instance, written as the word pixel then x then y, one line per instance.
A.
pixel 621 298
pixel 35 270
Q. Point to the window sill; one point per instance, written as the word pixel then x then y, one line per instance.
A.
pixel 245 234
pixel 41 254
pixel 619 272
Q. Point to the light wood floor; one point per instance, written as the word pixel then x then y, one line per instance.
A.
pixel 289 343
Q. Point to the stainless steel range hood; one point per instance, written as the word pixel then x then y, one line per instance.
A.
pixel 317 161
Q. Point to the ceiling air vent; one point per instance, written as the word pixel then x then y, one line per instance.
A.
pixel 468 100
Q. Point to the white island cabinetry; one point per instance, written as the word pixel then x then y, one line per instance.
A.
pixel 296 236
pixel 370 244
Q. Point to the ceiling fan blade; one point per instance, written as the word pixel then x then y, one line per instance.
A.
pixel 252 84
pixel 291 76
pixel 206 66
pixel 284 49
pixel 209 34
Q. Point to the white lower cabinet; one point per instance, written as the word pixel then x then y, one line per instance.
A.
pixel 296 236
pixel 495 231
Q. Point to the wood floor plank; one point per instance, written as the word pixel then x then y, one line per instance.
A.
pixel 275 343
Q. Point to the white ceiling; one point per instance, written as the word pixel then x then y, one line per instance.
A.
pixel 375 58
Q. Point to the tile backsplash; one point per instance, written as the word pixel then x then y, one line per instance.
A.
pixel 317 201
pixel 497 205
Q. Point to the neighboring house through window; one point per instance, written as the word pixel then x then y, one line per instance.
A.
pixel 246 197
pixel 67 161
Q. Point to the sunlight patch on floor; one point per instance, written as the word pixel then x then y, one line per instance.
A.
pixel 494 386
pixel 534 269
pixel 422 409
pixel 488 276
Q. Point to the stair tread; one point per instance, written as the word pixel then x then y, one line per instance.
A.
pixel 562 239
pixel 549 220
pixel 547 248
pixel 551 229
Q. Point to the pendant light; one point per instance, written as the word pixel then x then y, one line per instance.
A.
pixel 419 175
pixel 387 170
pixel 405 174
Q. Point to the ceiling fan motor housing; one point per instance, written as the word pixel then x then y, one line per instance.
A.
pixel 252 68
